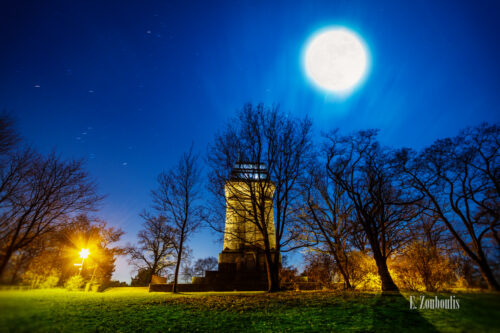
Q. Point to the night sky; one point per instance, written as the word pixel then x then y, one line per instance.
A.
pixel 130 86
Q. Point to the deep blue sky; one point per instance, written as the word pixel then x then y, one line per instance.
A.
pixel 130 86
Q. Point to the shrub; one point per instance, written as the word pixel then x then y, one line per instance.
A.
pixel 75 282
pixel 422 266
pixel 34 279
pixel 320 267
pixel 50 282
pixel 363 271
pixel 143 278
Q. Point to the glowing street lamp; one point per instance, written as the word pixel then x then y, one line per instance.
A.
pixel 84 253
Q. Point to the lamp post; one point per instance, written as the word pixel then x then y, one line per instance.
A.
pixel 84 253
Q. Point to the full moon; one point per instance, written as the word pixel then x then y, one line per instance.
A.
pixel 336 60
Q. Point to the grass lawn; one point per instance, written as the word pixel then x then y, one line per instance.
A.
pixel 136 310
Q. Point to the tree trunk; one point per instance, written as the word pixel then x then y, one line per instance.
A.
pixel 488 275
pixel 342 266
pixel 478 257
pixel 385 277
pixel 387 282
pixel 275 280
pixel 272 267
pixel 176 275
pixel 347 283
pixel 5 261
pixel 333 249
pixel 381 261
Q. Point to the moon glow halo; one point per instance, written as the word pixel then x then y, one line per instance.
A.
pixel 336 60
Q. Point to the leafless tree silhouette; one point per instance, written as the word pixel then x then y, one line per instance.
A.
pixel 460 178
pixel 177 199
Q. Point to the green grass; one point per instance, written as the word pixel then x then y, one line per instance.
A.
pixel 134 309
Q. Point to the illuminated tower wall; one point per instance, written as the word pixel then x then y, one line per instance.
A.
pixel 243 241
pixel 240 229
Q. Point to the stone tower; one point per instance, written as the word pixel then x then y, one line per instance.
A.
pixel 242 262
pixel 246 185
pixel 243 241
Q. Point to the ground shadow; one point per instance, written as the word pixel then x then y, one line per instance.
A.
pixel 391 312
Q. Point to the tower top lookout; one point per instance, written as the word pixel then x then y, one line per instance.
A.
pixel 249 171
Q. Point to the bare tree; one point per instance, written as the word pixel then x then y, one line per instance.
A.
pixel 156 243
pixel 460 178
pixel 319 267
pixel 381 203
pixel 205 264
pixel 201 266
pixel 278 145
pixel 37 194
pixel 9 137
pixel 326 216
pixel 178 200
pixel 13 182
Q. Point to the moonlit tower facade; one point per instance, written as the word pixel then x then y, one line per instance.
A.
pixel 244 187
pixel 243 238
pixel 242 262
